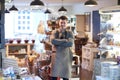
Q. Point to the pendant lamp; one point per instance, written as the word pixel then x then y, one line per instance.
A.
pixel 8 1
pixel 36 4
pixel 13 8
pixel 47 11
pixel 90 3
pixel 7 11
pixel 62 10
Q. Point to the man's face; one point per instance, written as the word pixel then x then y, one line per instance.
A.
pixel 63 23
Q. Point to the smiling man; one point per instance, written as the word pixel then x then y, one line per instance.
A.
pixel 62 39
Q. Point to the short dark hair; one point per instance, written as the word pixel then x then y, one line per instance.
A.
pixel 63 18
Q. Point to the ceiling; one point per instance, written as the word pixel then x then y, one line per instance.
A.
pixel 48 2
pixel 25 4
pixel 53 5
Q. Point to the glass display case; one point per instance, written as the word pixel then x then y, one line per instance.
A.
pixel 110 35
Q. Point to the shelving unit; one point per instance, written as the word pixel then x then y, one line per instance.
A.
pixel 79 42
pixel 18 49
pixel 88 57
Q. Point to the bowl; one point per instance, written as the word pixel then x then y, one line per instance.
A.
pixel 33 41
pixel 10 41
pixel 26 41
pixel 18 41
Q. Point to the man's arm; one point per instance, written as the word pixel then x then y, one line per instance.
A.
pixel 64 42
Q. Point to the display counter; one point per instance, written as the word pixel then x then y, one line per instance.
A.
pixel 97 66
pixel 18 51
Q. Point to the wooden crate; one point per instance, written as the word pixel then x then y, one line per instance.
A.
pixel 88 54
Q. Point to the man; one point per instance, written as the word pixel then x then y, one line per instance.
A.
pixel 62 38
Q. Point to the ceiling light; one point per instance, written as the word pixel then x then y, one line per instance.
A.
pixel 7 11
pixel 47 11
pixel 62 10
pixel 36 3
pixel 13 8
pixel 90 3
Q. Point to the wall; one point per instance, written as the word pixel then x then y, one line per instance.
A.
pixel 11 26
pixel 79 9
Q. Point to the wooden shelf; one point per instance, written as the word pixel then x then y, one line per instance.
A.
pixel 17 53
pixel 18 48
pixel 18 44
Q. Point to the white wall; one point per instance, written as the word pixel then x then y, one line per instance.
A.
pixel 81 8
pixel 11 22
pixel 73 10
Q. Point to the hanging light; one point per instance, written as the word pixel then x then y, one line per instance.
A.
pixel 7 11
pixel 13 8
pixel 90 3
pixel 47 11
pixel 62 10
pixel 36 4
